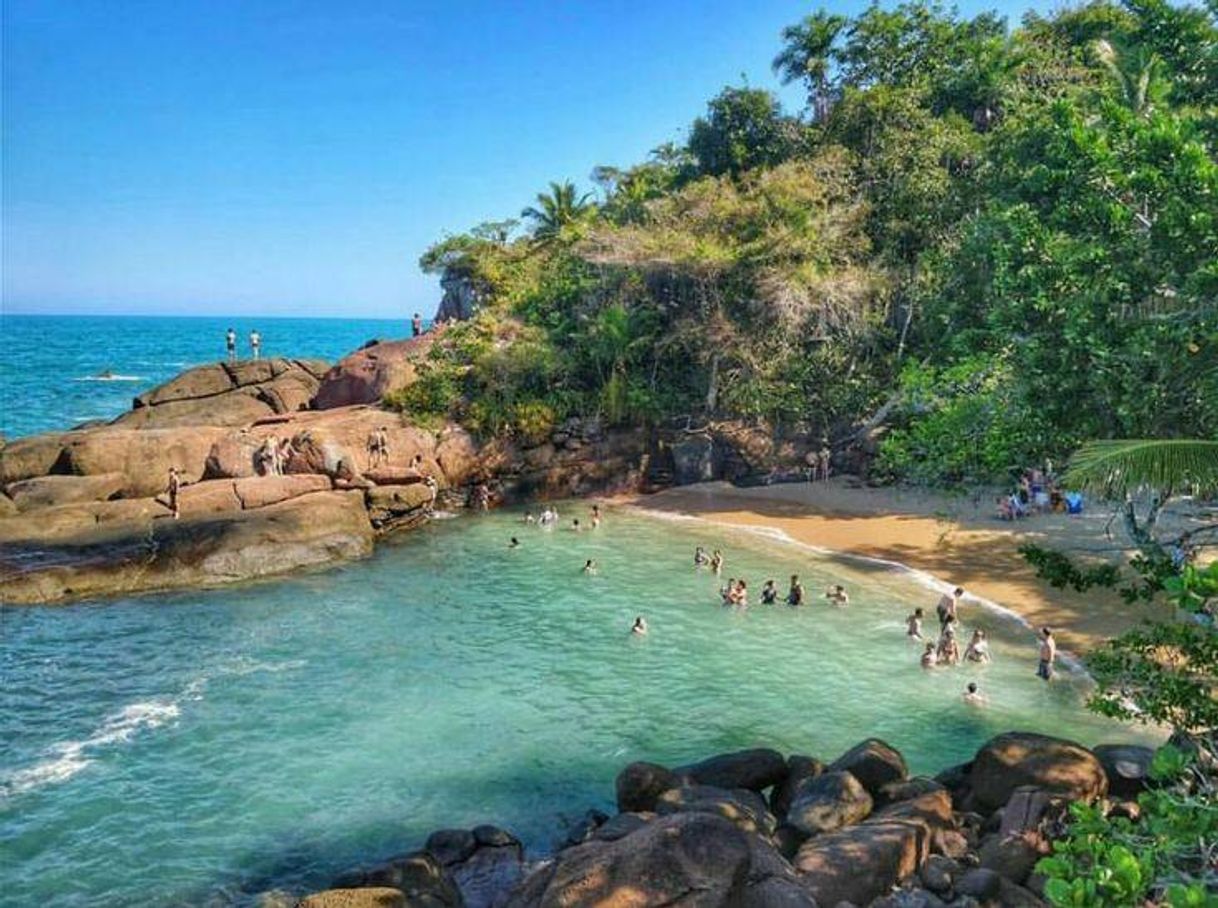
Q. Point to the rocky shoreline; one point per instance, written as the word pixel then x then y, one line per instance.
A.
pixel 84 513
pixel 756 829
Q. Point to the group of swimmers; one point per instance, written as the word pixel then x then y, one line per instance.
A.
pixel 736 591
pixel 548 519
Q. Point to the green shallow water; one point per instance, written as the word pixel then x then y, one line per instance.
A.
pixel 201 747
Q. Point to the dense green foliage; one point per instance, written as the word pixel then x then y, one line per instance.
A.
pixel 1109 860
pixel 1004 241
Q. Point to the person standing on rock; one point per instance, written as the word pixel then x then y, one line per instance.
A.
pixel 175 485
pixel 230 341
pixel 416 325
pixel 1048 654
pixel 255 344
pixel 824 458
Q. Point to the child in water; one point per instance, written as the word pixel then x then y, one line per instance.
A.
pixel 836 595
pixel 639 627
pixel 978 649
pixel 974 697
pixel 929 659
pixel 913 625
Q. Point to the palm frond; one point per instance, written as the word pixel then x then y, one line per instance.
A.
pixel 1118 466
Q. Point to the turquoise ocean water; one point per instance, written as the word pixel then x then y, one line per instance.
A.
pixel 49 365
pixel 199 747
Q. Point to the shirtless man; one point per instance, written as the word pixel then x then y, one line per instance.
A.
pixel 913 625
pixel 175 486
pixel 769 593
pixel 256 344
pixel 741 597
pixel 640 626
pixel 837 595
pixel 978 649
pixel 230 342
pixel 416 325
pixel 1048 654
pixel 974 697
pixel 513 543
pixel 796 594
pixel 949 606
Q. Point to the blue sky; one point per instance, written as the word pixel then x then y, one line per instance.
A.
pixel 275 158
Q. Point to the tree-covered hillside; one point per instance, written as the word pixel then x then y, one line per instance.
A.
pixel 992 242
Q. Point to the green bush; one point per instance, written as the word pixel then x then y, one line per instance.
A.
pixel 532 421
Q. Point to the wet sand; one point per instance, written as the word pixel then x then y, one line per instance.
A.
pixel 958 540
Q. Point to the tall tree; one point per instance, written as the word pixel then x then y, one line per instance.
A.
pixel 556 209
pixel 807 56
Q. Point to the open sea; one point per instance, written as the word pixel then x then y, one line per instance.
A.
pixel 197 748
pixel 50 365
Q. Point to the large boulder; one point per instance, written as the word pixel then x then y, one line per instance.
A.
pixel 25 458
pixel 197 551
pixel 799 768
pixel 419 875
pixel 755 769
pixel 860 863
pixel 368 374
pixel 741 806
pixel 931 810
pixel 874 763
pixel 1015 759
pixel 202 381
pixel 49 491
pixel 379 897
pixel 640 785
pixel 232 457
pixel 487 878
pixel 697 860
pixel 827 802
pixel 260 491
pixel 142 456
pixel 239 407
pixel 1127 767
pixel 694 461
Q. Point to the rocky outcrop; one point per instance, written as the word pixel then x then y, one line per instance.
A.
pixel 709 846
pixel 368 374
pixel 1127 767
pixel 227 394
pixel 462 296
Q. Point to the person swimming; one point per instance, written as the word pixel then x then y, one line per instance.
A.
pixel 528 517
pixel 742 594
pixel 978 649
pixel 769 593
pixel 836 595
pixel 640 626
pixel 596 516
pixel 716 562
pixel 700 557
pixel 727 592
pixel 974 697
pixel 929 659
pixel 795 596
pixel 590 566
pixel 514 543
pixel 575 525
pixel 913 625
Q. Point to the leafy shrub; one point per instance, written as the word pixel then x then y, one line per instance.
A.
pixel 533 421
pixel 1059 571
pixel 434 394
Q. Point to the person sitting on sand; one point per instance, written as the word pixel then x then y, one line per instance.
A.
pixel 929 659
pixel 974 697
pixel 837 595
pixel 640 626
pixel 596 516
pixel 700 557
pixel 590 566
pixel 716 562
pixel 949 606
pixel 949 649
pixel 978 649
pixel 913 625
pixel 769 593
pixel 1048 653
pixel 795 596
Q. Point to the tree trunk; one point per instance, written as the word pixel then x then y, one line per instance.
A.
pixel 712 387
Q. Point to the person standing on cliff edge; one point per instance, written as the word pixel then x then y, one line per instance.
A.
pixel 416 325
pixel 230 341
pixel 255 344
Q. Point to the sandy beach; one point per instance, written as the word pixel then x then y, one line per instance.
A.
pixel 957 539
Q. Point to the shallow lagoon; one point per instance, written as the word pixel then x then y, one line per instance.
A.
pixel 205 746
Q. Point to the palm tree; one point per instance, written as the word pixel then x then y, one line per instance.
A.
pixel 807 54
pixel 557 208
pixel 1165 467
pixel 1138 75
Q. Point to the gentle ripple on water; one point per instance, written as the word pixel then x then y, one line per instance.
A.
pixel 203 746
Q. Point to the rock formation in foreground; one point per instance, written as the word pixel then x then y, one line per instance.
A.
pixel 755 829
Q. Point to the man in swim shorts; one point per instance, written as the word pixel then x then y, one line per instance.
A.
pixel 230 341
pixel 1048 654
pixel 948 607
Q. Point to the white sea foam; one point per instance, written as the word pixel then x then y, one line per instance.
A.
pixel 67 758
pixel 109 378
